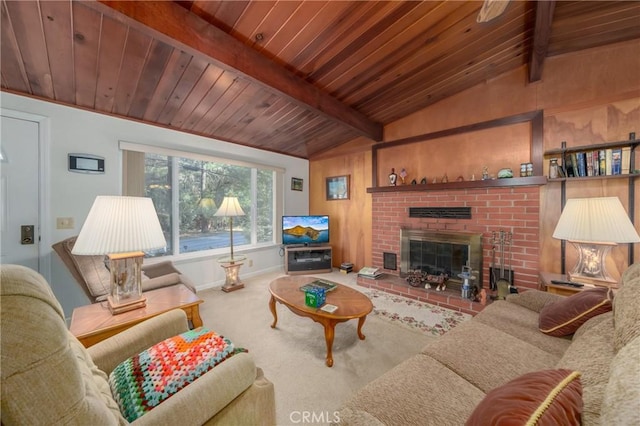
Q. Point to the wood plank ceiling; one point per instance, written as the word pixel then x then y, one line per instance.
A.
pixel 295 77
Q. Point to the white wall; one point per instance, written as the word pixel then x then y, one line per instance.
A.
pixel 74 130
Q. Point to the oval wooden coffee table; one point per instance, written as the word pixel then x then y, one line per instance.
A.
pixel 351 304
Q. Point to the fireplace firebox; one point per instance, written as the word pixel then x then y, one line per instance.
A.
pixel 437 252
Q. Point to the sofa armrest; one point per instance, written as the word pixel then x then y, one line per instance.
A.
pixel 534 300
pixel 206 396
pixel 112 351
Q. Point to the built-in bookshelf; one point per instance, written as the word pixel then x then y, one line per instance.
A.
pixel 603 160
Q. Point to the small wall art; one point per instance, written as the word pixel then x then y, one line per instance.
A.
pixel 338 188
pixel 296 184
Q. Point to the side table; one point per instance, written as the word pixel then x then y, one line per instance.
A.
pixel 563 290
pixel 94 323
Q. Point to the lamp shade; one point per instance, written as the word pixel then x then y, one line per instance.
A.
pixel 120 225
pixel 596 220
pixel 230 207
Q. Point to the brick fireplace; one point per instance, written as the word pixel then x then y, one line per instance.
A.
pixel 493 209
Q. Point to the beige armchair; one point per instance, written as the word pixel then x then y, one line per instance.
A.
pixel 93 276
pixel 48 377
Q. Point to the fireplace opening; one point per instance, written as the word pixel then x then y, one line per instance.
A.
pixel 441 252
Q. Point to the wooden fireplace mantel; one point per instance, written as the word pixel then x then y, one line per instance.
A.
pixel 469 184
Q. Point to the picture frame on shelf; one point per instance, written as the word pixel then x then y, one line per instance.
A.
pixel 296 184
pixel 337 187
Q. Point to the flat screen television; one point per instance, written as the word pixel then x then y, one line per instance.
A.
pixel 305 230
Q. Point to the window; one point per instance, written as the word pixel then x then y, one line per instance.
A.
pixel 187 192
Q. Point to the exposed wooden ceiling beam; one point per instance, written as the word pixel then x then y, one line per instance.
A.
pixel 182 29
pixel 541 34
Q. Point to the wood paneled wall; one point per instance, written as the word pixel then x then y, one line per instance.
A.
pixel 589 97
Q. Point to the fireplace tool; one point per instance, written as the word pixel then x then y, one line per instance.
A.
pixel 502 282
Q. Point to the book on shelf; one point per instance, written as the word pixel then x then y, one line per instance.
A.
pixel 574 164
pixel 326 285
pixel 602 162
pixel 625 167
pixel 568 166
pixel 616 161
pixel 582 163
pixel 608 156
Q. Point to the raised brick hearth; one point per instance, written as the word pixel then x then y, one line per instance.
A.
pixel 511 209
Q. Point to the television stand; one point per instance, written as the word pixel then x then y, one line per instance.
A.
pixel 307 259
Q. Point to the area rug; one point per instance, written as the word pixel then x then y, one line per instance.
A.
pixel 427 318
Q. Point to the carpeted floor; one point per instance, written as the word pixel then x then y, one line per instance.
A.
pixel 293 354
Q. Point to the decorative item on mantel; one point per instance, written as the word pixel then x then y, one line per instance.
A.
pixel 403 174
pixel 485 173
pixel 393 178
pixel 505 173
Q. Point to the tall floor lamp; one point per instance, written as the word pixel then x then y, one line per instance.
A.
pixel 593 226
pixel 230 208
pixel 121 228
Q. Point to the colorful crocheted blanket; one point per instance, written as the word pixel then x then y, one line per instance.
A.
pixel 143 381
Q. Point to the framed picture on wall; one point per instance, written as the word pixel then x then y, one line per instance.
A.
pixel 296 184
pixel 338 188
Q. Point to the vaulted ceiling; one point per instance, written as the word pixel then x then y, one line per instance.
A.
pixel 295 77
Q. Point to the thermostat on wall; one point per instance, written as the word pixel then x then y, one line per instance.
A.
pixel 86 163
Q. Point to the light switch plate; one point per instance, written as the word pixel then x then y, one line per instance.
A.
pixel 64 223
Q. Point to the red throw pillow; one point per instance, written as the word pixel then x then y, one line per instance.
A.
pixel 541 398
pixel 566 316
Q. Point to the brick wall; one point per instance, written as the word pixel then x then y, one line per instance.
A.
pixel 512 209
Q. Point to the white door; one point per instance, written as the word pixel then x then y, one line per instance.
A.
pixel 19 192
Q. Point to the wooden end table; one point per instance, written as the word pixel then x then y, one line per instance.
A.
pixel 563 290
pixel 94 323
pixel 351 305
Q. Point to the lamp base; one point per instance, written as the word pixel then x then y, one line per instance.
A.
pixel 233 287
pixel 232 272
pixel 118 308
pixel 590 268
pixel 126 282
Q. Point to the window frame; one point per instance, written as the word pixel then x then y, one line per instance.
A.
pixel 176 154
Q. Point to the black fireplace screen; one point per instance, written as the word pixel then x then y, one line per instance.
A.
pixel 440 252
pixel 438 258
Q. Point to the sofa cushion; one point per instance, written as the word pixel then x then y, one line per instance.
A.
pixel 144 381
pixel 621 403
pixel 412 393
pixel 522 323
pixel 626 314
pixel 487 357
pixel 564 317
pixel 591 353
pixel 549 397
